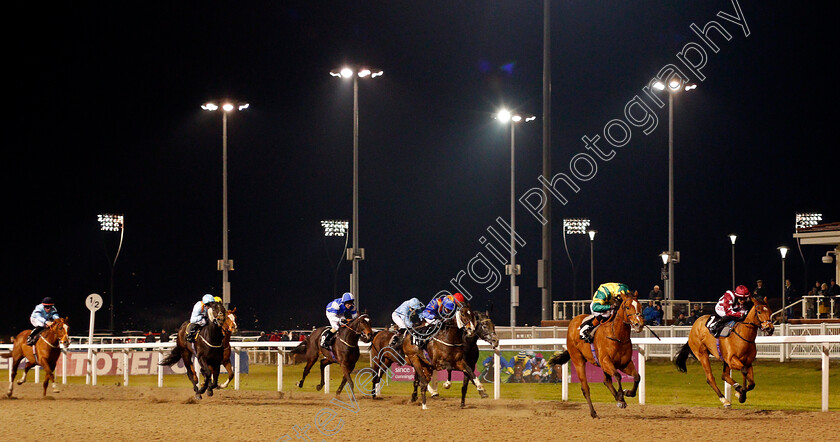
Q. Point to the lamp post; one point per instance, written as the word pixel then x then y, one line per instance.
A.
pixel 335 228
pixel 112 223
pixel 505 116
pixel 356 254
pixel 733 237
pixel 783 251
pixel 225 264
pixel 592 260
pixel 675 85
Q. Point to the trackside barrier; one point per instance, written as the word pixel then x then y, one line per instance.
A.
pixel 282 347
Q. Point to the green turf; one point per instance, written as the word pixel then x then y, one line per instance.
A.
pixel 790 386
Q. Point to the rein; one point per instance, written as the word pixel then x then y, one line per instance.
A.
pixel 211 345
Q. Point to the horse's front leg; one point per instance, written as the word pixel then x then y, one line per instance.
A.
pixel 214 378
pixel 324 363
pixel 226 363
pixel 26 368
pixel 309 363
pixel 740 391
pixel 345 379
pixel 470 376
pixel 580 368
pixel 609 372
pixel 630 369
pixel 749 383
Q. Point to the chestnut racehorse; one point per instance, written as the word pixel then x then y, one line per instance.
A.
pixel 228 328
pixel 737 351
pixel 613 350
pixel 208 350
pixel 46 348
pixel 344 352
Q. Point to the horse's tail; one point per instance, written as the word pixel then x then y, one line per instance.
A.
pixel 561 358
pixel 682 356
pixel 172 357
pixel 300 349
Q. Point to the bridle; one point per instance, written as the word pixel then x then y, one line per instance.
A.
pixel 352 325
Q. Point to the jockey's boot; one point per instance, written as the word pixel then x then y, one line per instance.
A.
pixel 33 336
pixel 329 338
pixel 192 330
pixel 586 326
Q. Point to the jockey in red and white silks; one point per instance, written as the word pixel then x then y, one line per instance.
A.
pixel 730 306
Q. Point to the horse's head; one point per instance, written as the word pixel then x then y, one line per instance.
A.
pixel 485 328
pixel 230 325
pixel 216 313
pixel 464 320
pixel 632 311
pixel 361 325
pixel 60 328
pixel 763 314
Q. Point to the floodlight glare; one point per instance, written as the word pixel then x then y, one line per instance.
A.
pixel 576 226
pixel 503 116
pixel 227 107
pixel 733 237
pixel 209 107
pixel 346 73
pixel 665 257
pixel 783 251
pixel 806 220
pixel 592 234
pixel 335 227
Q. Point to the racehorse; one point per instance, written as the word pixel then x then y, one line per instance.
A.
pixel 737 351
pixel 228 328
pixel 611 350
pixel 208 348
pixel 382 355
pixel 45 353
pixel 444 351
pixel 484 329
pixel 344 352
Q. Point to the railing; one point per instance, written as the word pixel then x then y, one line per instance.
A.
pixel 644 345
pixel 566 310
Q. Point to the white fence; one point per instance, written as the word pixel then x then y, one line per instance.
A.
pixel 824 342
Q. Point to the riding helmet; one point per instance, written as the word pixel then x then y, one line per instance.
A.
pixel 47 301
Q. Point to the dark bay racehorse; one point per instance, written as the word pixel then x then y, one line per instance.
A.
pixel 444 351
pixel 344 352
pixel 382 355
pixel 737 351
pixel 208 348
pixel 484 329
pixel 228 328
pixel 612 350
pixel 47 348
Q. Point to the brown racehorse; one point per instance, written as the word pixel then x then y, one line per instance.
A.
pixel 208 350
pixel 445 351
pixel 613 347
pixel 228 328
pixel 382 356
pixel 737 351
pixel 47 350
pixel 484 329
pixel 345 350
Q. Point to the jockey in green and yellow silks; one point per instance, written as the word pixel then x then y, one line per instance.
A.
pixel 603 302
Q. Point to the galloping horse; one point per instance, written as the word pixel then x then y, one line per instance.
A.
pixel 444 351
pixel 228 328
pixel 208 348
pixel 344 352
pixel 46 349
pixel 484 329
pixel 382 356
pixel 736 350
pixel 611 350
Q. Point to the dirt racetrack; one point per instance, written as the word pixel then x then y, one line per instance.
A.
pixel 82 413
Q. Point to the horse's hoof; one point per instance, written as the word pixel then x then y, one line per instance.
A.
pixel 447 384
pixel 209 392
pixel 463 406
pixel 300 384
pixel 594 415
pixel 483 394
pixel 435 395
pixel 377 398
pixel 629 393
pixel 425 407
pixel 198 397
pixel 319 387
pixel 742 398
pixel 621 404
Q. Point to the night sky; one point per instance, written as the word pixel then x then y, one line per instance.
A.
pixel 105 117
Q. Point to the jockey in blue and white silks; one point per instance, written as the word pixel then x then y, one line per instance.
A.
pixel 198 317
pixel 338 309
pixel 43 315
pixel 404 315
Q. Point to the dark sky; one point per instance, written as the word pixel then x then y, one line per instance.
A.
pixel 105 117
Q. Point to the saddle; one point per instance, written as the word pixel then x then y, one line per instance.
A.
pixel 727 328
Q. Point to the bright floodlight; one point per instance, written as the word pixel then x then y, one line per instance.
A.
pixel 575 226
pixel 733 237
pixel 783 251
pixel 674 83
pixel 504 116
pixel 209 107
pixel 110 222
pixel 227 107
pixel 335 227
pixel 690 87
pixel 806 220
pixel 244 106
pixel 592 234
pixel 346 73
pixel 660 86
pixel 364 73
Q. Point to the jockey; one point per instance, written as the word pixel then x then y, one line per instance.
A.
pixel 43 316
pixel 602 307
pixel 338 310
pixel 198 317
pixel 439 308
pixel 406 316
pixel 730 307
